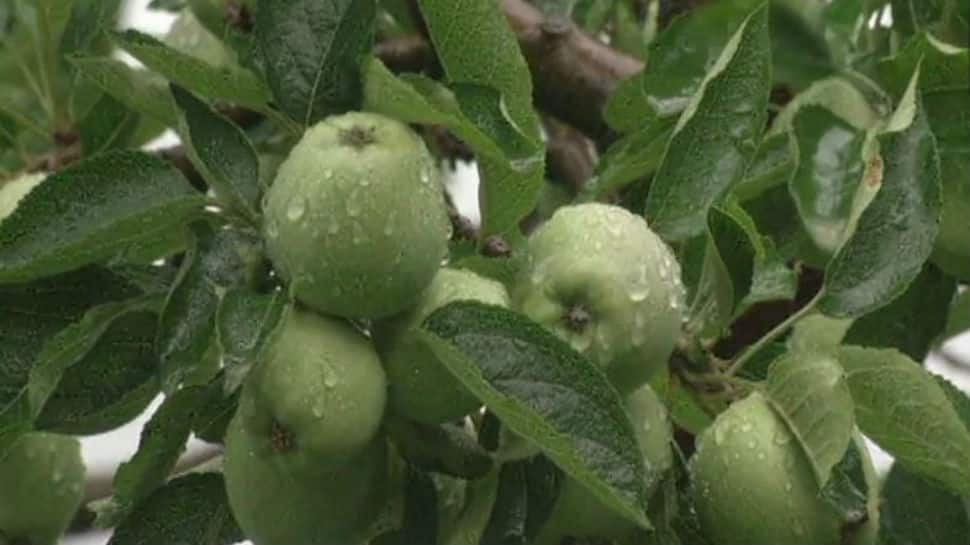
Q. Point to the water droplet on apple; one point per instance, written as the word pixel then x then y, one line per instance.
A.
pixel 296 208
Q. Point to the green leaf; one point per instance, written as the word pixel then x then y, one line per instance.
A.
pixel 830 178
pixel 839 97
pixel 414 98
pixel 940 16
pixel 140 90
pixel 847 489
pixel 26 401
pixel 221 152
pixel 231 83
pixel 190 510
pixel 958 319
pixel 89 21
pixel 470 524
pixel 216 410
pixel 111 384
pixel 244 324
pixel 800 41
pixel 217 260
pixel 810 394
pixel 312 51
pixel 507 524
pixel 944 84
pixel 773 165
pixel 420 520
pixel 958 398
pixel 546 392
pixel 682 404
pixel 107 125
pixel 733 247
pixel 913 321
pixel 716 137
pixel 915 512
pixel 104 207
pixel 678 60
pixel 162 442
pixel 632 157
pixel 32 313
pixel 446 449
pixel 476 46
pixel 895 233
pixel 902 408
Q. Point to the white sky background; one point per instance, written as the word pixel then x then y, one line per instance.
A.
pixel 103 452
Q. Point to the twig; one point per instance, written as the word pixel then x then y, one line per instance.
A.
pixel 574 74
pixel 771 336
pixel 570 156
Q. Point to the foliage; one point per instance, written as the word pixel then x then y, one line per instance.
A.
pixel 780 238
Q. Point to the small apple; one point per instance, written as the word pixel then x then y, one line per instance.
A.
pixel 599 278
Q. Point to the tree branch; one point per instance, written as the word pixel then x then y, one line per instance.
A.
pixel 573 73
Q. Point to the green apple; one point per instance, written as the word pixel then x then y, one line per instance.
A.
pixel 320 386
pixel 41 488
pixel 278 499
pixel 12 191
pixel 599 278
pixel 751 483
pixel 420 387
pixel 355 220
pixel 578 514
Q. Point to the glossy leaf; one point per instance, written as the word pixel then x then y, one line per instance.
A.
pixel 678 60
pixel 914 511
pixel 716 137
pixel 24 401
pixel 221 152
pixel 217 260
pixel 161 444
pixel 831 172
pixel 809 392
pixel 944 85
pixel 112 384
pixel 913 321
pixel 190 510
pixel 96 209
pixel 140 90
pixel 108 125
pixel 230 83
pixel 312 52
pixel 544 391
pixel 902 408
pixel 244 324
pixel 476 46
pixel 896 232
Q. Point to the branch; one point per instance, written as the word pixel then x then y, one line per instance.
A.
pixel 570 156
pixel 573 73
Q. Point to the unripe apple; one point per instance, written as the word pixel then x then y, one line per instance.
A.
pixel 41 487
pixel 12 191
pixel 420 387
pixel 751 482
pixel 279 497
pixel 582 517
pixel 355 220
pixel 599 278
pixel 318 394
